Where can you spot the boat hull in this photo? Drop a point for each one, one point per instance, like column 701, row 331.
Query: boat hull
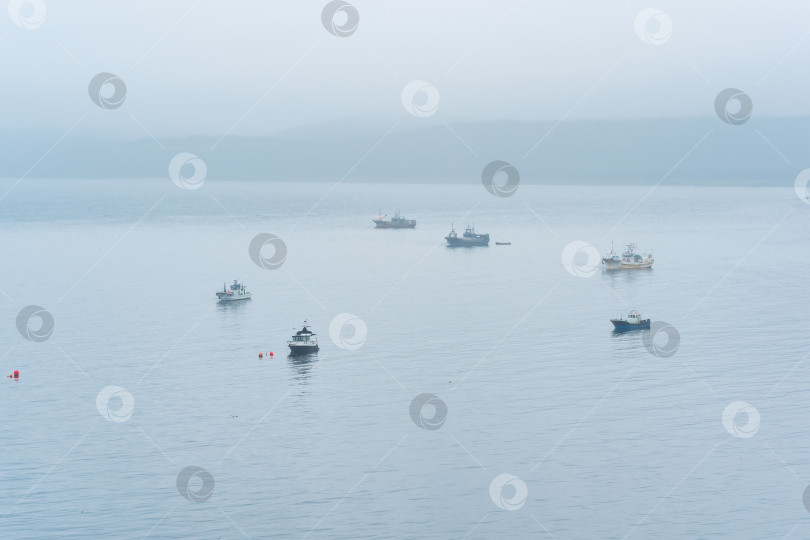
column 612, row 264
column 636, row 266
column 232, row 297
column 300, row 350
column 407, row 224
column 624, row 326
column 466, row 242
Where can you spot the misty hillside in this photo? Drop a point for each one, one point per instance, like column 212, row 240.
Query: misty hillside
column 764, row 151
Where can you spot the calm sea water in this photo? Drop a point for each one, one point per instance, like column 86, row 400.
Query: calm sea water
column 608, row 440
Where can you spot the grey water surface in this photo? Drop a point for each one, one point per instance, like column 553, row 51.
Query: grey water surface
column 608, row 439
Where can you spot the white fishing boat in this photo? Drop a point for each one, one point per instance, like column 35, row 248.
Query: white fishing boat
column 237, row 291
column 612, row 260
column 629, row 259
column 303, row 342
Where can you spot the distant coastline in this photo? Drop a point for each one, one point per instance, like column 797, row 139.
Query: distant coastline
column 691, row 151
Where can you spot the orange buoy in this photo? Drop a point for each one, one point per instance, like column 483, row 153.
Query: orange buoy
column 261, row 355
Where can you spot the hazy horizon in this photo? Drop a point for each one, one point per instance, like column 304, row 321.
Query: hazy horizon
column 197, row 68
column 586, row 93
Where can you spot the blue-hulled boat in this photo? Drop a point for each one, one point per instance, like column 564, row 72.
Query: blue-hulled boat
column 632, row 322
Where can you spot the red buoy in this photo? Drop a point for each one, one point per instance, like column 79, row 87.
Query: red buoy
column 16, row 373
column 271, row 353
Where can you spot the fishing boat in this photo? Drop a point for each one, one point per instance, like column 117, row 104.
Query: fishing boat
column 629, row 259
column 468, row 239
column 303, row 342
column 632, row 322
column 396, row 222
column 236, row 291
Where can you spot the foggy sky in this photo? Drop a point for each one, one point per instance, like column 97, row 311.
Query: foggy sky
column 259, row 67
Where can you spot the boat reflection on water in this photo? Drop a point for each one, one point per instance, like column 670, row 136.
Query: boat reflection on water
column 626, row 279
column 229, row 307
column 302, row 364
column 625, row 345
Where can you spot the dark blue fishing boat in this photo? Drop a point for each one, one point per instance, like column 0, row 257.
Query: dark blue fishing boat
column 468, row 239
column 632, row 322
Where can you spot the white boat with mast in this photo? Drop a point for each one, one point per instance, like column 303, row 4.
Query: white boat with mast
column 303, row 342
column 629, row 259
column 237, row 291
column 396, row 222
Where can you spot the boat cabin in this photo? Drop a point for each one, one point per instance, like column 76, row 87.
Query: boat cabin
column 303, row 336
